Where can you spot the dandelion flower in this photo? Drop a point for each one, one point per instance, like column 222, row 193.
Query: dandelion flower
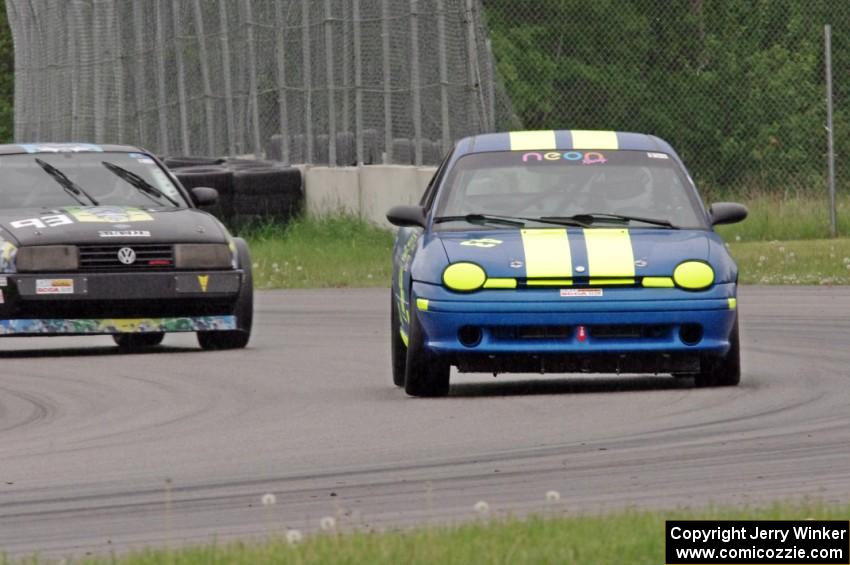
column 737, row 238
column 762, row 259
column 782, row 249
column 846, row 260
column 269, row 499
column 481, row 507
column 294, row 537
column 328, row 523
column 299, row 268
column 553, row 496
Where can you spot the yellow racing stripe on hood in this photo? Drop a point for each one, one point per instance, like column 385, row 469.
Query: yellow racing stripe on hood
column 584, row 139
column 609, row 254
column 547, row 254
column 530, row 140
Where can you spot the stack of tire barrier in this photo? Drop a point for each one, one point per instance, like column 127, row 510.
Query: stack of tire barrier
column 249, row 191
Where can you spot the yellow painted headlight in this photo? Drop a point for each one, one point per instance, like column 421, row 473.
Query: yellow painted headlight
column 464, row 277
column 693, row 275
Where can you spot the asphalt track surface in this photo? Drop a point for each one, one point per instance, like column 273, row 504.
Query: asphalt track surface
column 101, row 451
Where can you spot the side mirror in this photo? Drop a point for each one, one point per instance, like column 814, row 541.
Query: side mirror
column 204, row 196
column 727, row 213
column 407, row 216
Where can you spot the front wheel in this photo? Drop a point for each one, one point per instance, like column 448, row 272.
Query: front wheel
column 244, row 311
column 398, row 350
column 426, row 374
column 722, row 371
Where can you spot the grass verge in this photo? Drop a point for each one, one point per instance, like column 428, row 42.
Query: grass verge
column 774, row 217
column 321, row 253
column 816, row 261
column 631, row 537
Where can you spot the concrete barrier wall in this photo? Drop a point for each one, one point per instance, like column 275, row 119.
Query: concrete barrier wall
column 367, row 191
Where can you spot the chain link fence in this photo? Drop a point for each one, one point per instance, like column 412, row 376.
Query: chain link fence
column 303, row 81
column 737, row 87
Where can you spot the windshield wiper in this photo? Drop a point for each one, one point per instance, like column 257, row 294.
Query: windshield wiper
column 482, row 219
column 139, row 183
column 518, row 221
column 596, row 217
column 72, row 188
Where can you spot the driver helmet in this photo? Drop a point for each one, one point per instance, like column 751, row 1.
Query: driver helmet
column 626, row 188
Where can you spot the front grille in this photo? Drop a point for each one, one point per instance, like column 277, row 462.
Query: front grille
column 149, row 257
column 511, row 333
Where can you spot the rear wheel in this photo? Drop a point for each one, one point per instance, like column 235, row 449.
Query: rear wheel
column 722, row 371
column 426, row 374
column 132, row 342
column 398, row 350
column 238, row 338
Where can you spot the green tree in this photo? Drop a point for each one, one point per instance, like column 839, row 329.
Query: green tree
column 7, row 78
column 736, row 86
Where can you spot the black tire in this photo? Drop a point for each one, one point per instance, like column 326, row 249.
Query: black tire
column 425, row 374
column 244, row 311
column 398, row 350
column 181, row 162
column 722, row 371
column 273, row 192
column 135, row 342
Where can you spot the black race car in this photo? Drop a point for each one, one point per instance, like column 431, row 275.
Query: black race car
column 103, row 239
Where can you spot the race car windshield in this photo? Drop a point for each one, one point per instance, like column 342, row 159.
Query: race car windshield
column 51, row 180
column 602, row 188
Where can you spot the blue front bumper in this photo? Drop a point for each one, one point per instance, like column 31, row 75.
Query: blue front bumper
column 517, row 328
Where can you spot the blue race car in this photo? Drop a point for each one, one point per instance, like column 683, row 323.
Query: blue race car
column 563, row 251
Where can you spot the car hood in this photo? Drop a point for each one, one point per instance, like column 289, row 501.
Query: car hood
column 108, row 225
column 610, row 252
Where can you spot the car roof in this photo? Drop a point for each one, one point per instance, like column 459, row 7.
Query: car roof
column 24, row 148
column 553, row 140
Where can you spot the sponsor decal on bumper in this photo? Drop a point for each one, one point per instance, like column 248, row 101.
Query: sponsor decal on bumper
column 54, row 286
column 116, row 325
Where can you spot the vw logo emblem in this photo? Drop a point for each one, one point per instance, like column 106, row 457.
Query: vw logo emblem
column 127, row 256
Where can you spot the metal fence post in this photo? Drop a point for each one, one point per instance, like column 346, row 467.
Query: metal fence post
column 226, row 72
column 283, row 112
column 162, row 98
column 358, row 80
column 209, row 115
column 138, row 79
column 414, row 82
column 491, row 85
column 833, row 220
column 388, row 101
column 444, row 76
column 252, row 81
column 346, row 69
column 181, row 81
column 329, row 74
column 308, row 86
column 471, row 63
column 118, row 70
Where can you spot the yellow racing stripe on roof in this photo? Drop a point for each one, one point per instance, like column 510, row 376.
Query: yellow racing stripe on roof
column 529, row 140
column 547, row 254
column 609, row 253
column 587, row 139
